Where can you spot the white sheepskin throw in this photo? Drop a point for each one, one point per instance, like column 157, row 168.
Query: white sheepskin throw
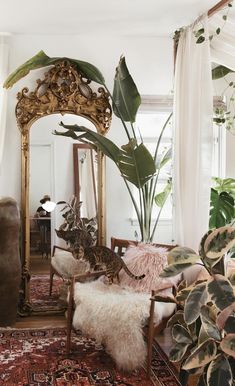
column 67, row 266
column 114, row 317
column 149, row 260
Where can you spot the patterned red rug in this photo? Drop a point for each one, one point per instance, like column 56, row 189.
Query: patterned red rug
column 37, row 357
column 39, row 292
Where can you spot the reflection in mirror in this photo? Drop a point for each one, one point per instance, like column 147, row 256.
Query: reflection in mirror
column 85, row 179
column 53, row 176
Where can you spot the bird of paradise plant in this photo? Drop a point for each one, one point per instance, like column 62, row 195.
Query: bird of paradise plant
column 136, row 164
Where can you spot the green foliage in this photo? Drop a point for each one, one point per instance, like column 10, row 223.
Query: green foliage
column 222, row 210
column 203, row 328
column 220, row 72
column 224, row 185
column 126, row 98
column 75, row 227
column 41, row 60
column 136, row 165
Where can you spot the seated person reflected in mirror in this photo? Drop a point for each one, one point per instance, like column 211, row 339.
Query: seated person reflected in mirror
column 44, row 225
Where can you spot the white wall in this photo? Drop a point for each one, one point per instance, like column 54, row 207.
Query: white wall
column 150, row 63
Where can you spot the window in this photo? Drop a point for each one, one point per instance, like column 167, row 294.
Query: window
column 153, row 113
column 151, row 117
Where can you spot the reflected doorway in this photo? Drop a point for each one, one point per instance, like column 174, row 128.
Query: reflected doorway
column 41, row 221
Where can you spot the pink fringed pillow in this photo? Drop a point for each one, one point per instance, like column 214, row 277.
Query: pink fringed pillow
column 149, row 260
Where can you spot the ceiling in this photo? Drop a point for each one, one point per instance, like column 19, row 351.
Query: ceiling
column 113, row 17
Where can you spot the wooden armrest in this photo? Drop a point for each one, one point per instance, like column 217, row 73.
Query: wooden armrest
column 94, row 274
column 61, row 248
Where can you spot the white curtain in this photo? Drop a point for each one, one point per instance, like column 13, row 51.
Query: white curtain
column 193, row 109
column 223, row 45
column 4, row 52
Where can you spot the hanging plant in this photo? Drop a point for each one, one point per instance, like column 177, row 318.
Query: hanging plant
column 200, row 33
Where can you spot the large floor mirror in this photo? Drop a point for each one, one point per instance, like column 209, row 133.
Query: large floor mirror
column 54, row 169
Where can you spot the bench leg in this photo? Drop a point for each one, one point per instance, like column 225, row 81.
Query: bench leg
column 51, row 279
column 150, row 338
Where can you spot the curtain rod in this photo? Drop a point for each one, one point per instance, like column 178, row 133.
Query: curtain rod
column 217, row 7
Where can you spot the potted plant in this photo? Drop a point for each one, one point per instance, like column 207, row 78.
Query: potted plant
column 203, row 328
column 75, row 227
column 137, row 166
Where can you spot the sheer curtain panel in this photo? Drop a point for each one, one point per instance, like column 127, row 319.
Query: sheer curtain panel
column 193, row 110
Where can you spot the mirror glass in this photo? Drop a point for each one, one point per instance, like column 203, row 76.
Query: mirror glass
column 59, row 168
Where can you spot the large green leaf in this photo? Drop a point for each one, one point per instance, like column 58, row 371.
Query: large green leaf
column 221, row 209
column 181, row 335
column 220, row 71
column 201, row 355
column 225, row 185
column 221, row 292
column 161, row 198
column 219, row 372
column 209, row 323
column 102, row 143
column 42, row 60
column 136, row 163
column 228, row 345
column 126, row 98
column 167, row 156
column 195, row 300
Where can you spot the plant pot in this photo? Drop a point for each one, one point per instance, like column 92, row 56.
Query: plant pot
column 10, row 266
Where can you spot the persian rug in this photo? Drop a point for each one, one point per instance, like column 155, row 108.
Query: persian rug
column 39, row 292
column 38, row 357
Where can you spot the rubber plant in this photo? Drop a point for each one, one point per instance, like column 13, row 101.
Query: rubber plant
column 134, row 161
column 203, row 327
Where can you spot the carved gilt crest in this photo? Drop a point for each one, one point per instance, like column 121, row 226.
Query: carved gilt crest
column 65, row 91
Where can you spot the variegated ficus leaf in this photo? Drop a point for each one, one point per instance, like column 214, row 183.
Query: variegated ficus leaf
column 208, row 319
column 181, row 335
column 229, row 326
column 221, row 292
column 228, row 345
column 223, row 316
column 177, row 352
column 178, row 317
column 203, row 336
column 202, row 244
column 202, row 355
column 180, row 255
column 219, row 242
column 195, row 300
column 219, row 372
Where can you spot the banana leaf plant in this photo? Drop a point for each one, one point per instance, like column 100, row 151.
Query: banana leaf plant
column 137, row 166
column 203, row 327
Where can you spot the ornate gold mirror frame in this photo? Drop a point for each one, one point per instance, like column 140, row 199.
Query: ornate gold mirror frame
column 62, row 91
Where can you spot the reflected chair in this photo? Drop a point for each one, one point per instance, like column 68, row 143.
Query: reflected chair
column 53, row 270
column 119, row 246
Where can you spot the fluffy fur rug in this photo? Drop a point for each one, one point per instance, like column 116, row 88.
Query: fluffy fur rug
column 114, row 317
column 150, row 260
